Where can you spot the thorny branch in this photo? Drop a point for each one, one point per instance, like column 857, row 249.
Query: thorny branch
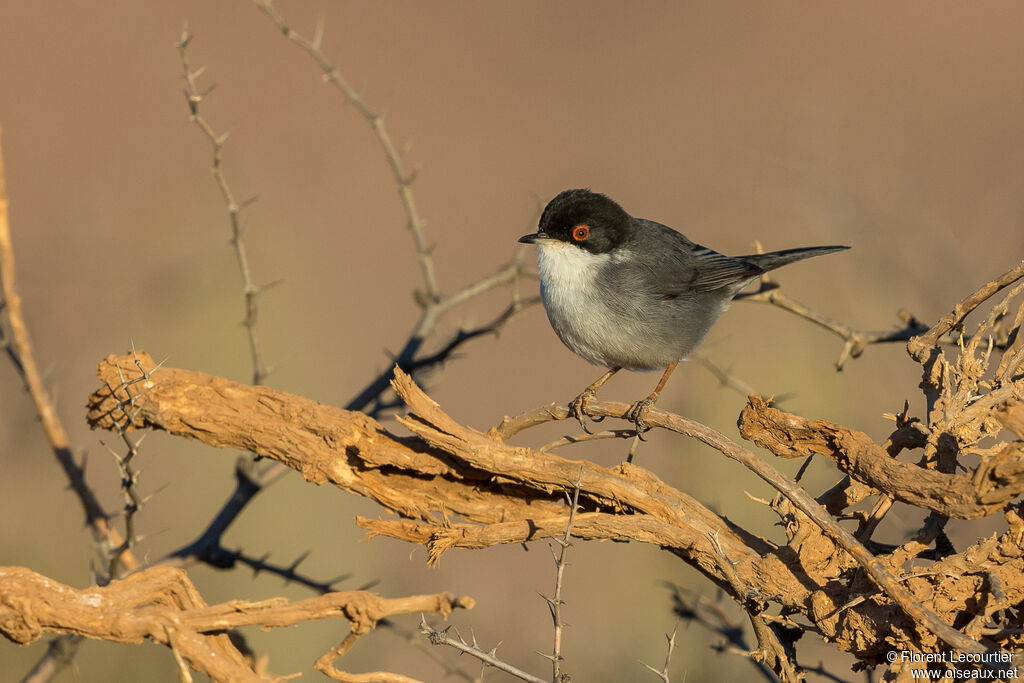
column 251, row 477
column 195, row 96
column 403, row 179
column 663, row 673
column 133, row 500
column 487, row 657
column 19, row 349
column 854, row 340
column 555, row 602
column 433, row 303
column 113, row 549
column 911, row 330
column 714, row 618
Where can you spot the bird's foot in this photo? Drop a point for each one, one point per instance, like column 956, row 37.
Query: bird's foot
column 578, row 409
column 638, row 411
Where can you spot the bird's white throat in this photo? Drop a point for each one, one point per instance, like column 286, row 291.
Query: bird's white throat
column 565, row 268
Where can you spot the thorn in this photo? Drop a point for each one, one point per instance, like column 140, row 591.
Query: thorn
column 150, row 497
column 269, row 286
column 368, row 586
column 338, row 579
column 756, row 499
column 318, row 34
column 299, row 560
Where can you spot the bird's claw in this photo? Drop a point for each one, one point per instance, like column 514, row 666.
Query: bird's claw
column 636, row 414
column 578, row 409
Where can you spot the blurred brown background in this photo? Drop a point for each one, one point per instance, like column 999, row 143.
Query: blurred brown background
column 894, row 128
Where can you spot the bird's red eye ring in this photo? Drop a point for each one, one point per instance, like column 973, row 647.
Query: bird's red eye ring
column 581, row 232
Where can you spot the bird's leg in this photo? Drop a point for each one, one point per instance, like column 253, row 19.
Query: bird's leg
column 637, row 410
column 578, row 406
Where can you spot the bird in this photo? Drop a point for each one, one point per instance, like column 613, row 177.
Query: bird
column 629, row 293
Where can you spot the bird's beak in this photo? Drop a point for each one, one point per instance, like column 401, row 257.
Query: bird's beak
column 536, row 238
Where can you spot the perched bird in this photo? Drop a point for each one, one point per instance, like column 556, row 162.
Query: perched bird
column 630, row 293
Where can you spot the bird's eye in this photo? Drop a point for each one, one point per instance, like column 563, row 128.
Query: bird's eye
column 581, row 232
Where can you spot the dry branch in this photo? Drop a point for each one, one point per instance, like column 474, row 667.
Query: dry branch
column 920, row 347
column 104, row 534
column 161, row 604
column 971, row 495
column 511, row 494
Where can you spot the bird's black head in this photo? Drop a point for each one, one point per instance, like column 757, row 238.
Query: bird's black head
column 586, row 219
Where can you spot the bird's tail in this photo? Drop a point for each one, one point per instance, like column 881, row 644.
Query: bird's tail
column 776, row 259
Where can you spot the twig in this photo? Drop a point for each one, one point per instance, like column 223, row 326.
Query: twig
column 920, row 346
column 207, row 547
column 413, row 638
column 489, row 658
column 770, row 648
column 855, row 341
column 60, row 653
column 290, row 572
column 663, row 674
column 133, row 500
column 555, row 602
column 584, row 437
column 726, row 378
column 20, row 350
column 735, row 639
column 403, row 179
column 409, row 360
column 251, row 292
column 436, row 359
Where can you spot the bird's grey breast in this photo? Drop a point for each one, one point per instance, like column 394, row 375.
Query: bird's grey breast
column 573, row 296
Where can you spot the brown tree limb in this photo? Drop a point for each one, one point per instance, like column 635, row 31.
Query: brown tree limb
column 161, row 604
column 970, row 495
column 354, row 452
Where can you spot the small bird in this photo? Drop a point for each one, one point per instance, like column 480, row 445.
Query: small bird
column 626, row 292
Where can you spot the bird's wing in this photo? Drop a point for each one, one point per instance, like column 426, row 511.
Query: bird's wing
column 681, row 266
